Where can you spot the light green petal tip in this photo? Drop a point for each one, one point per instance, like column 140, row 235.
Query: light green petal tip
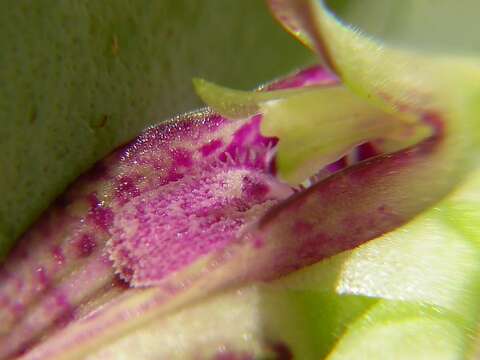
column 233, row 104
column 315, row 125
column 237, row 104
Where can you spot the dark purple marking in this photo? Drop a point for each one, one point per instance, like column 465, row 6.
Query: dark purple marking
column 127, row 271
column 173, row 175
column 254, row 188
column 211, row 147
column 65, row 318
column 257, row 241
column 181, row 158
column 66, row 312
column 366, row 151
column 249, row 147
column 281, row 351
column 86, row 245
column 24, row 349
column 120, row 283
column 126, row 189
column 311, row 246
column 61, row 301
column 99, row 215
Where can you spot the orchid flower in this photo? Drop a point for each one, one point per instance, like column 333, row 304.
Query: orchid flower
column 331, row 213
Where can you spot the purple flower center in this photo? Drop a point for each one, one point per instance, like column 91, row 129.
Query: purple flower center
column 168, row 228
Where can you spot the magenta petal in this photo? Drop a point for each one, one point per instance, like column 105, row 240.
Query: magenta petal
column 169, row 227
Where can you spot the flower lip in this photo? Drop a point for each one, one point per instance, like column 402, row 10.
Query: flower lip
column 217, row 194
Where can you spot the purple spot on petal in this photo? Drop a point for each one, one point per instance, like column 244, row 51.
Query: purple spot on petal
column 66, row 317
column 119, row 283
column 126, row 189
column 312, row 246
column 282, row 351
column 86, row 245
column 172, row 176
column 249, row 147
column 257, row 241
column 61, row 301
column 181, row 158
column 100, row 215
column 211, row 147
column 254, row 188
